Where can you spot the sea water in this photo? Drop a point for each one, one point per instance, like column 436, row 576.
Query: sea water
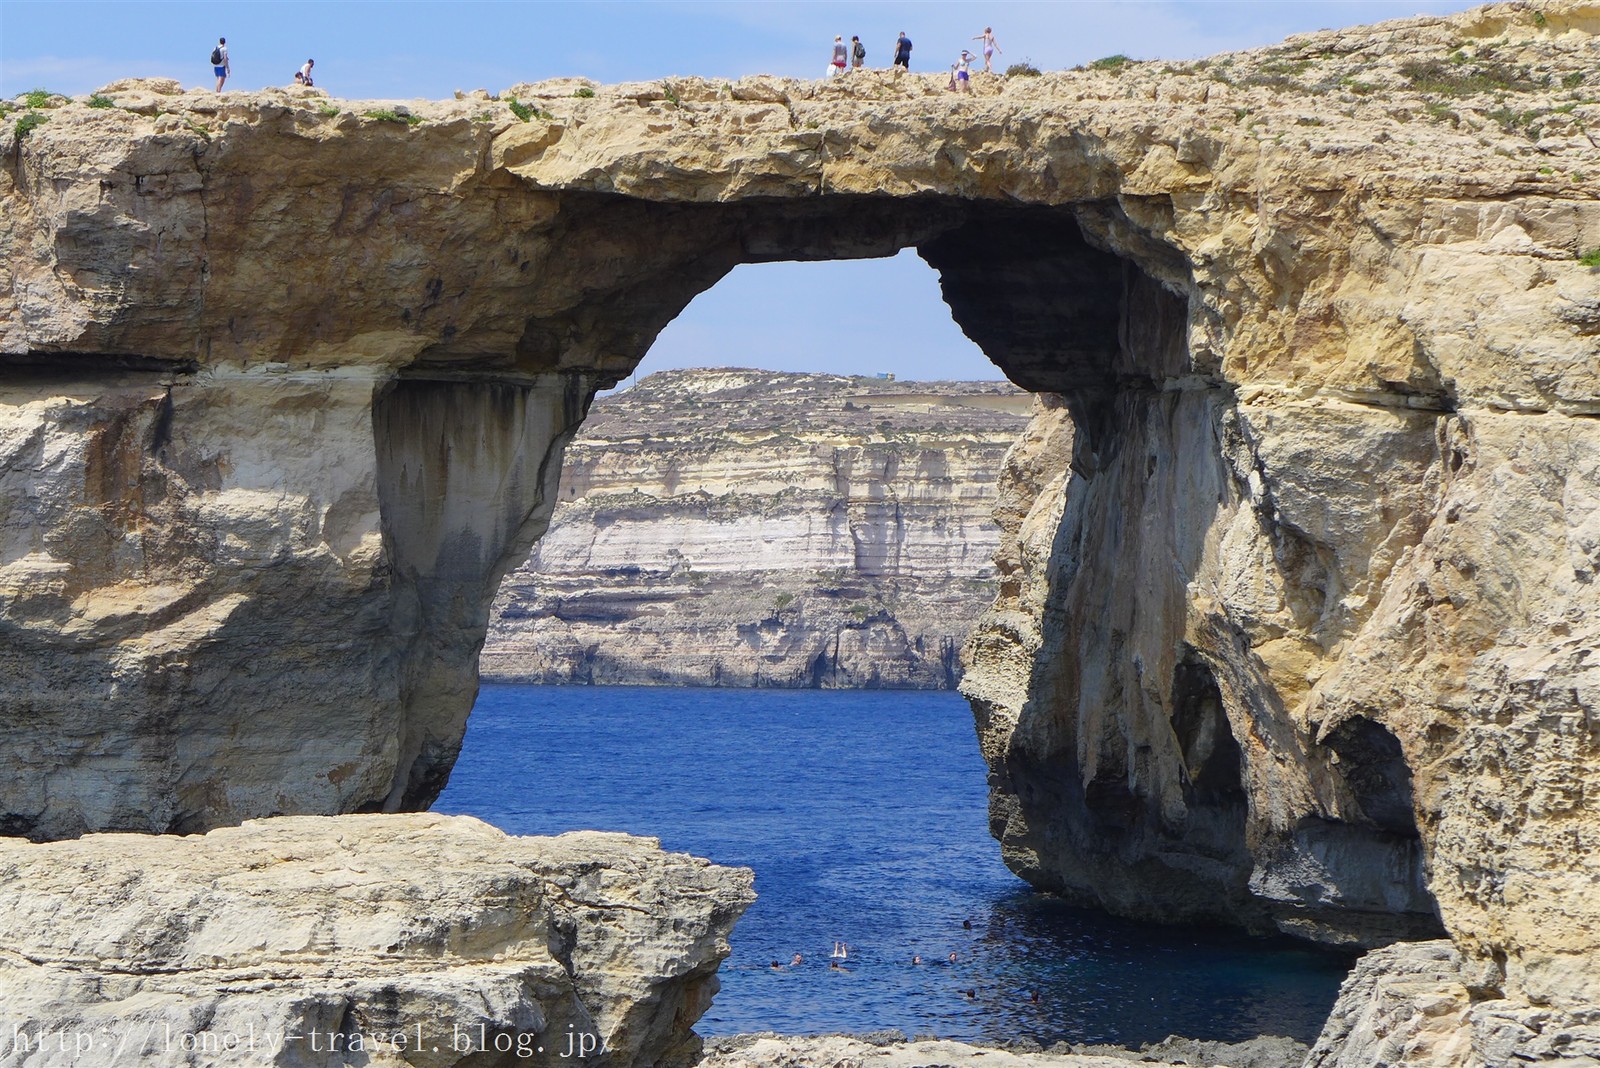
column 864, row 817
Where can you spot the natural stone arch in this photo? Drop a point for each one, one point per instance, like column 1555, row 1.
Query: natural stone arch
column 1384, row 540
column 466, row 446
column 468, row 426
column 1023, row 281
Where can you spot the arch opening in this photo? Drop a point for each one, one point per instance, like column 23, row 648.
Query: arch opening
column 745, row 526
column 1086, row 323
column 1124, row 786
column 1373, row 766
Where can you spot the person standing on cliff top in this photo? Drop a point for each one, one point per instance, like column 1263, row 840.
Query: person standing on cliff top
column 990, row 47
column 858, row 53
column 961, row 78
column 840, row 57
column 902, row 51
column 219, row 62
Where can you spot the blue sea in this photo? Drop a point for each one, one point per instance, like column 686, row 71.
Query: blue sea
column 864, row 817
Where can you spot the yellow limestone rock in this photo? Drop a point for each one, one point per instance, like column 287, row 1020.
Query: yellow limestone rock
column 1310, row 647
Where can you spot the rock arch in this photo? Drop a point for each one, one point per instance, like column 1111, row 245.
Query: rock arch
column 465, row 457
column 283, row 400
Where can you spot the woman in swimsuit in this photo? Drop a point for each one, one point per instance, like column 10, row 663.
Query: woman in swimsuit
column 989, row 46
column 960, row 81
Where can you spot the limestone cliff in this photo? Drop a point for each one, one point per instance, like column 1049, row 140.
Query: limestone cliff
column 749, row 528
column 420, row 940
column 1315, row 637
column 1351, row 872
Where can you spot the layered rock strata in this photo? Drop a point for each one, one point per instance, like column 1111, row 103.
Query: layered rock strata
column 750, row 528
column 417, row 940
column 1315, row 638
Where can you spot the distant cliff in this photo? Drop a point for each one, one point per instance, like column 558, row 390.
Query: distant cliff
column 750, row 528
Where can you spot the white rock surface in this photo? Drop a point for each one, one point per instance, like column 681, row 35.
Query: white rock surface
column 1420, row 1005
column 892, row 1050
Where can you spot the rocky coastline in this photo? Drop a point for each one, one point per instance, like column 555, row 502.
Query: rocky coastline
column 745, row 528
column 1296, row 632
column 892, row 1049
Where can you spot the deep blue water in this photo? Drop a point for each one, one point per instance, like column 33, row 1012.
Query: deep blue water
column 864, row 817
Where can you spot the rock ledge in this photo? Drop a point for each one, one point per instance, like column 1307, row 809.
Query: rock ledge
column 423, row 940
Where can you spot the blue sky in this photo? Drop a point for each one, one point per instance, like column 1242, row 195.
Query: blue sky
column 878, row 315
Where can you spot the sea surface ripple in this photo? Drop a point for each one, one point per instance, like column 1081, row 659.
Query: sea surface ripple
column 864, row 816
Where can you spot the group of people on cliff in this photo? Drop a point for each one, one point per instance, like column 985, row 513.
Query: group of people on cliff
column 845, row 58
column 222, row 67
column 854, row 56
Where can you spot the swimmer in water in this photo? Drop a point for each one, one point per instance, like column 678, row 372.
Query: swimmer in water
column 952, row 958
column 798, row 959
column 966, row 925
column 916, row 958
column 837, row 967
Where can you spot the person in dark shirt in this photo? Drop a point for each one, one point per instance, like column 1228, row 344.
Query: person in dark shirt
column 902, row 51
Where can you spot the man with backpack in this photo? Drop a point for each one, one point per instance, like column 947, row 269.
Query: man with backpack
column 219, row 61
column 902, row 51
column 858, row 53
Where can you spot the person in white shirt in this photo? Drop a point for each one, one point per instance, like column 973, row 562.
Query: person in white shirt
column 963, row 72
column 219, row 62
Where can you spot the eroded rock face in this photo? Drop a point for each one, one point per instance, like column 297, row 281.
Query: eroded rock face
column 892, row 1050
column 1420, row 1005
column 417, row 940
column 1107, row 694
column 750, row 528
column 245, row 592
column 1326, row 552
